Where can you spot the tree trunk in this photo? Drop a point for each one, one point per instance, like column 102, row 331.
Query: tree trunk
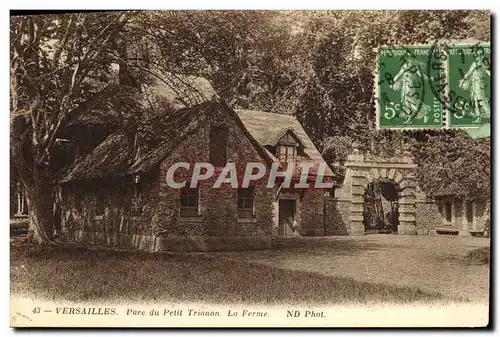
column 37, row 180
column 40, row 204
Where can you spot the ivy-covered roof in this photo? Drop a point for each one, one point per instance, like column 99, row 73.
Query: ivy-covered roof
column 110, row 159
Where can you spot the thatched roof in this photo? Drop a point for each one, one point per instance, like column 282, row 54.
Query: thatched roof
column 181, row 91
column 177, row 128
column 110, row 159
column 173, row 90
column 268, row 128
column 115, row 156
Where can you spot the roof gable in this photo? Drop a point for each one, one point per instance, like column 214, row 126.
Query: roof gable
column 290, row 137
column 268, row 128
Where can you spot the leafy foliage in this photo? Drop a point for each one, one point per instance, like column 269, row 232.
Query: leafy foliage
column 452, row 163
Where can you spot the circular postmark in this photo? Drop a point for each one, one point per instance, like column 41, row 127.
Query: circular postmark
column 461, row 86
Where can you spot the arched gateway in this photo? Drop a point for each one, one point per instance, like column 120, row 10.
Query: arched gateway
column 362, row 171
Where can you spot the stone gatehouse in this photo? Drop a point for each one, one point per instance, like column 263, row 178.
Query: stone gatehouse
column 417, row 212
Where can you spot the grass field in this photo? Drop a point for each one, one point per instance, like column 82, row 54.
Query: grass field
column 79, row 274
column 310, row 272
column 454, row 266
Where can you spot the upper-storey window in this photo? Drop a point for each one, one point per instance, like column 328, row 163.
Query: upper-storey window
column 218, row 145
column 287, row 148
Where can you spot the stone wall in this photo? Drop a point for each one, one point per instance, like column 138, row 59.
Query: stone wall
column 427, row 217
column 218, row 213
column 336, row 216
column 311, row 213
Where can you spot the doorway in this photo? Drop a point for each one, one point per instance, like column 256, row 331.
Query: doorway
column 381, row 207
column 286, row 217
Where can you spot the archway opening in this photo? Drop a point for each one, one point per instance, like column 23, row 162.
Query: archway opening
column 380, row 207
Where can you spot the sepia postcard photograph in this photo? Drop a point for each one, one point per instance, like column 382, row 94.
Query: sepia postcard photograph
column 250, row 168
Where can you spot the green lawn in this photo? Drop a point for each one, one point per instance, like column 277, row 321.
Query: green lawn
column 80, row 274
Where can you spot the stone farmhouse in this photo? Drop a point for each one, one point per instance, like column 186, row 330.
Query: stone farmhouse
column 116, row 195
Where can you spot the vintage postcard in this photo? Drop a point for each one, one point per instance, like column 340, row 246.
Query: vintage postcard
column 250, row 169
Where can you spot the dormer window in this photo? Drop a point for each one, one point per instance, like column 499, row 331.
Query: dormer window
column 287, row 153
column 287, row 148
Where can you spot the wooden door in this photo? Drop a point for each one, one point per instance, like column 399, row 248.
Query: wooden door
column 286, row 217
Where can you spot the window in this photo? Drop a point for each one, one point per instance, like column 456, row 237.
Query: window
column 100, row 201
column 245, row 202
column 287, row 153
column 218, row 146
column 287, row 148
column 189, row 201
column 447, row 210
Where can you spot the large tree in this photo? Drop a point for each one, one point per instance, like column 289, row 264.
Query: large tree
column 61, row 66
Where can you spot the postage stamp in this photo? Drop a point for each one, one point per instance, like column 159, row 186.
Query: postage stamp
column 404, row 85
column 469, row 94
column 183, row 169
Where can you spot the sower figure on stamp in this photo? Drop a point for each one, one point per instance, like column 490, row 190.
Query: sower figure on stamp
column 410, row 81
column 475, row 82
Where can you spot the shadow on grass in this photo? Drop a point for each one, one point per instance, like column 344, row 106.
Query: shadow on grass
column 478, row 256
column 324, row 245
column 80, row 274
